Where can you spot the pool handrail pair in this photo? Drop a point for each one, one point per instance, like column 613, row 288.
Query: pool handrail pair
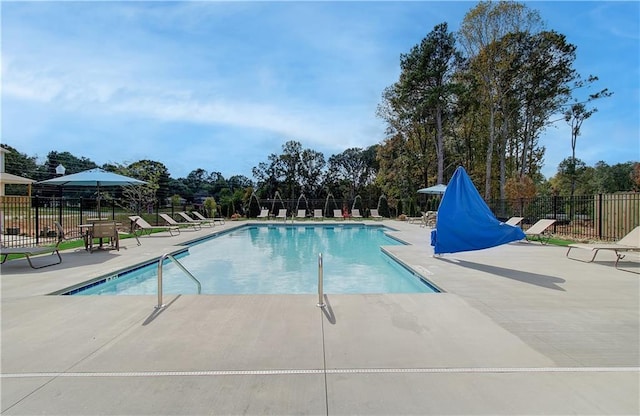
column 169, row 256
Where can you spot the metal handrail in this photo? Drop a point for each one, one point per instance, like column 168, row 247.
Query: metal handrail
column 160, row 305
column 321, row 303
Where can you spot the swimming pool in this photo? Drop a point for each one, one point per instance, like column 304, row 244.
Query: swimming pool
column 277, row 259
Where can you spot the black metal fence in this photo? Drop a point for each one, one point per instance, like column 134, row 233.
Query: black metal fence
column 27, row 221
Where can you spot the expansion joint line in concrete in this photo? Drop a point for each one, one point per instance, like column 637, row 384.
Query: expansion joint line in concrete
column 461, row 370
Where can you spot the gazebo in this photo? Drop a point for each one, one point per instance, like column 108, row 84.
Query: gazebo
column 7, row 178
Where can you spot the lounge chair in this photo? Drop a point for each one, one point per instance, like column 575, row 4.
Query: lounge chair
column 187, row 218
column 214, row 219
column 429, row 219
column 317, row 214
column 141, row 227
column 419, row 219
column 196, row 225
column 282, row 214
column 302, row 214
column 514, row 221
column 337, row 214
column 539, row 231
column 34, row 251
column 630, row 242
column 355, row 213
column 375, row 215
column 264, row 213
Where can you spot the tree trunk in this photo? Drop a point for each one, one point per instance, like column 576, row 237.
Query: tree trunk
column 439, row 145
column 487, row 181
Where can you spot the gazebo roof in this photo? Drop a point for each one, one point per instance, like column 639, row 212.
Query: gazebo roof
column 7, row 178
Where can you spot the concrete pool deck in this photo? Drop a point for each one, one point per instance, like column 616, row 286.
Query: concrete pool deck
column 520, row 329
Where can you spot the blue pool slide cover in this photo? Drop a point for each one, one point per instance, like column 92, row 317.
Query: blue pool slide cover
column 465, row 222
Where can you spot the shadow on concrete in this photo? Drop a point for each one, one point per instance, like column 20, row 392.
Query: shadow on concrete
column 157, row 311
column 549, row 282
column 328, row 311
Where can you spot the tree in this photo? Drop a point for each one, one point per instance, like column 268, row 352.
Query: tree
column 294, row 170
column 483, row 26
column 20, row 164
column 71, row 163
column 155, row 174
column 311, row 168
column 354, row 167
column 578, row 112
column 426, row 85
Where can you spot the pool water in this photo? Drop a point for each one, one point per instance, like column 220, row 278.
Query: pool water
column 278, row 259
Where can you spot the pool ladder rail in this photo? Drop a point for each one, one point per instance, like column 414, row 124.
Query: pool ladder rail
column 169, row 256
column 321, row 303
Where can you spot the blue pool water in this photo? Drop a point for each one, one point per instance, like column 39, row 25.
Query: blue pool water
column 278, row 259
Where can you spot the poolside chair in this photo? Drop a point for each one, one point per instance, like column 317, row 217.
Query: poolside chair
column 337, row 214
column 419, row 219
column 34, row 251
column 317, row 214
column 187, row 218
column 214, row 219
column 355, row 213
column 375, row 215
column 302, row 214
column 282, row 214
column 514, row 221
column 539, row 231
column 264, row 213
column 141, row 227
column 429, row 219
column 101, row 230
column 196, row 225
column 628, row 243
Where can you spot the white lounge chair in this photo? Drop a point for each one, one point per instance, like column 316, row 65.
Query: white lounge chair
column 539, row 231
column 630, row 242
column 187, row 218
column 375, row 215
column 317, row 214
column 355, row 213
column 264, row 213
column 514, row 221
column 429, row 219
column 196, row 225
column 141, row 227
column 214, row 219
column 282, row 214
column 302, row 214
column 337, row 214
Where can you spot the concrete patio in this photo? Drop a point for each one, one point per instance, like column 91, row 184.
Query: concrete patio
column 520, row 329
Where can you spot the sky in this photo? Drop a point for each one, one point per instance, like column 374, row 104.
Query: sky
column 221, row 85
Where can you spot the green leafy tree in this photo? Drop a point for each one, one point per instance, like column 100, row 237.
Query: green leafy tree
column 483, row 26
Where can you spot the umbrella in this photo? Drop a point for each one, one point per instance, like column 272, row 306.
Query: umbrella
column 435, row 189
column 93, row 177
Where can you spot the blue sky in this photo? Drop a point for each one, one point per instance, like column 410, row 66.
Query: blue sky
column 221, row 85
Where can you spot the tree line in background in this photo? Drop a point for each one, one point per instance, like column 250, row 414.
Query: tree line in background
column 479, row 98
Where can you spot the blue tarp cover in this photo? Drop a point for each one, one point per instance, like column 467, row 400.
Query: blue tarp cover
column 465, row 222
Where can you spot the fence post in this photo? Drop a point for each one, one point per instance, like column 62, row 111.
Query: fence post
column 600, row 216
column 60, row 207
column 37, row 203
column 80, row 212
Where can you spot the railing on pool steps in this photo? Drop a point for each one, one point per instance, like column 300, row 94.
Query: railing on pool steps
column 160, row 305
column 320, row 282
